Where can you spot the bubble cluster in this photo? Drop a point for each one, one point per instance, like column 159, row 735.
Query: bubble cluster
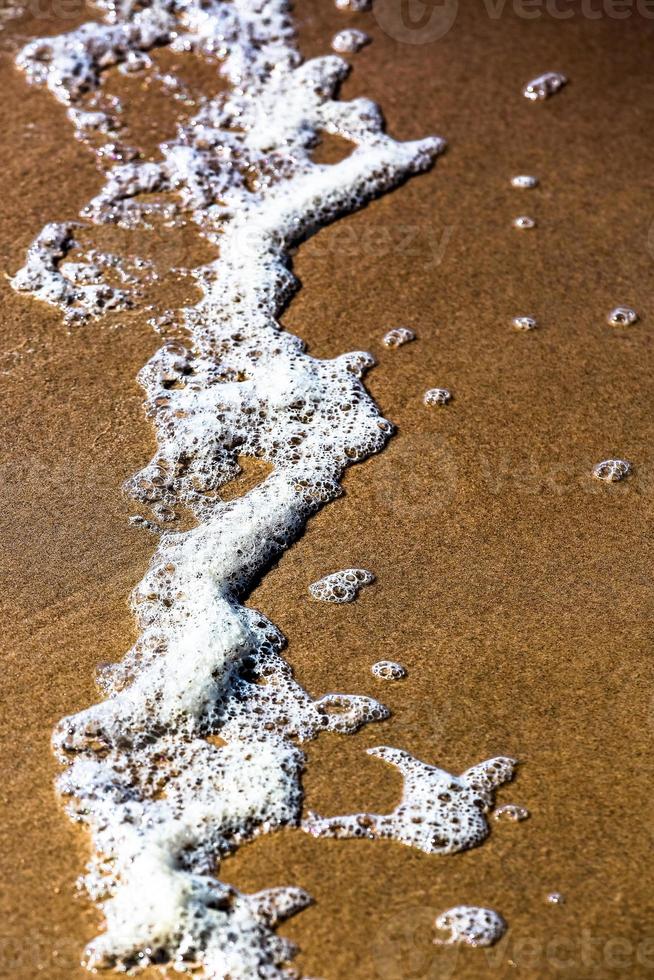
column 437, row 396
column 544, row 86
column 524, row 222
column 470, row 926
column 439, row 813
column 388, row 670
column 524, row 323
column 343, row 586
column 525, row 181
column 350, row 40
column 74, row 287
column 612, row 470
column 622, row 316
column 398, row 336
column 512, row 812
column 195, row 748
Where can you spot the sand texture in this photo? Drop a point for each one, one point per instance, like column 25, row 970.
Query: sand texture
column 516, row 591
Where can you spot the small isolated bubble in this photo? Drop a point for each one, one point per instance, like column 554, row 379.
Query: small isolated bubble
column 622, row 316
column 544, row 86
column 523, row 221
column 437, row 396
column 512, row 812
column 555, row 898
column 355, row 6
column 398, row 336
column 524, row 323
column 388, row 670
column 612, row 470
column 349, row 41
column 470, row 926
column 524, row 180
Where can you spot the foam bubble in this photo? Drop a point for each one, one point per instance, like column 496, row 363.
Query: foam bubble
column 612, row 470
column 544, row 86
column 388, row 670
column 524, row 222
column 437, row 396
column 470, row 926
column 512, row 812
column 343, row 586
column 525, row 181
column 398, row 336
column 524, row 323
column 438, row 814
column 555, row 898
column 622, row 316
column 349, row 41
column 355, row 6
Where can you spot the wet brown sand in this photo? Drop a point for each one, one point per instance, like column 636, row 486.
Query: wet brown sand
column 516, row 591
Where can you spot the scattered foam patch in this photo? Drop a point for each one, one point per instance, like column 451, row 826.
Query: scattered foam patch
column 622, row 316
column 439, row 813
column 398, row 337
column 511, row 812
column 343, row 586
column 355, row 6
column 524, row 323
column 544, row 86
column 349, row 41
column 470, row 926
column 524, row 222
column 525, row 181
column 612, row 470
column 437, row 396
column 388, row 670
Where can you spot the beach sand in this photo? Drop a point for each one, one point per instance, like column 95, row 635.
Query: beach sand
column 516, row 590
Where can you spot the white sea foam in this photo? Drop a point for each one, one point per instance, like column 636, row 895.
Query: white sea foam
column 470, row 926
column 398, row 337
column 524, row 323
column 524, row 181
column 612, row 470
column 349, row 40
column 512, row 812
column 555, row 898
column 622, row 316
column 356, row 6
column 438, row 814
column 437, row 396
column 544, row 86
column 388, row 670
column 195, row 748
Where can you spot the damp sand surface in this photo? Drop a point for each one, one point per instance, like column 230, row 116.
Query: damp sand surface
column 515, row 590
